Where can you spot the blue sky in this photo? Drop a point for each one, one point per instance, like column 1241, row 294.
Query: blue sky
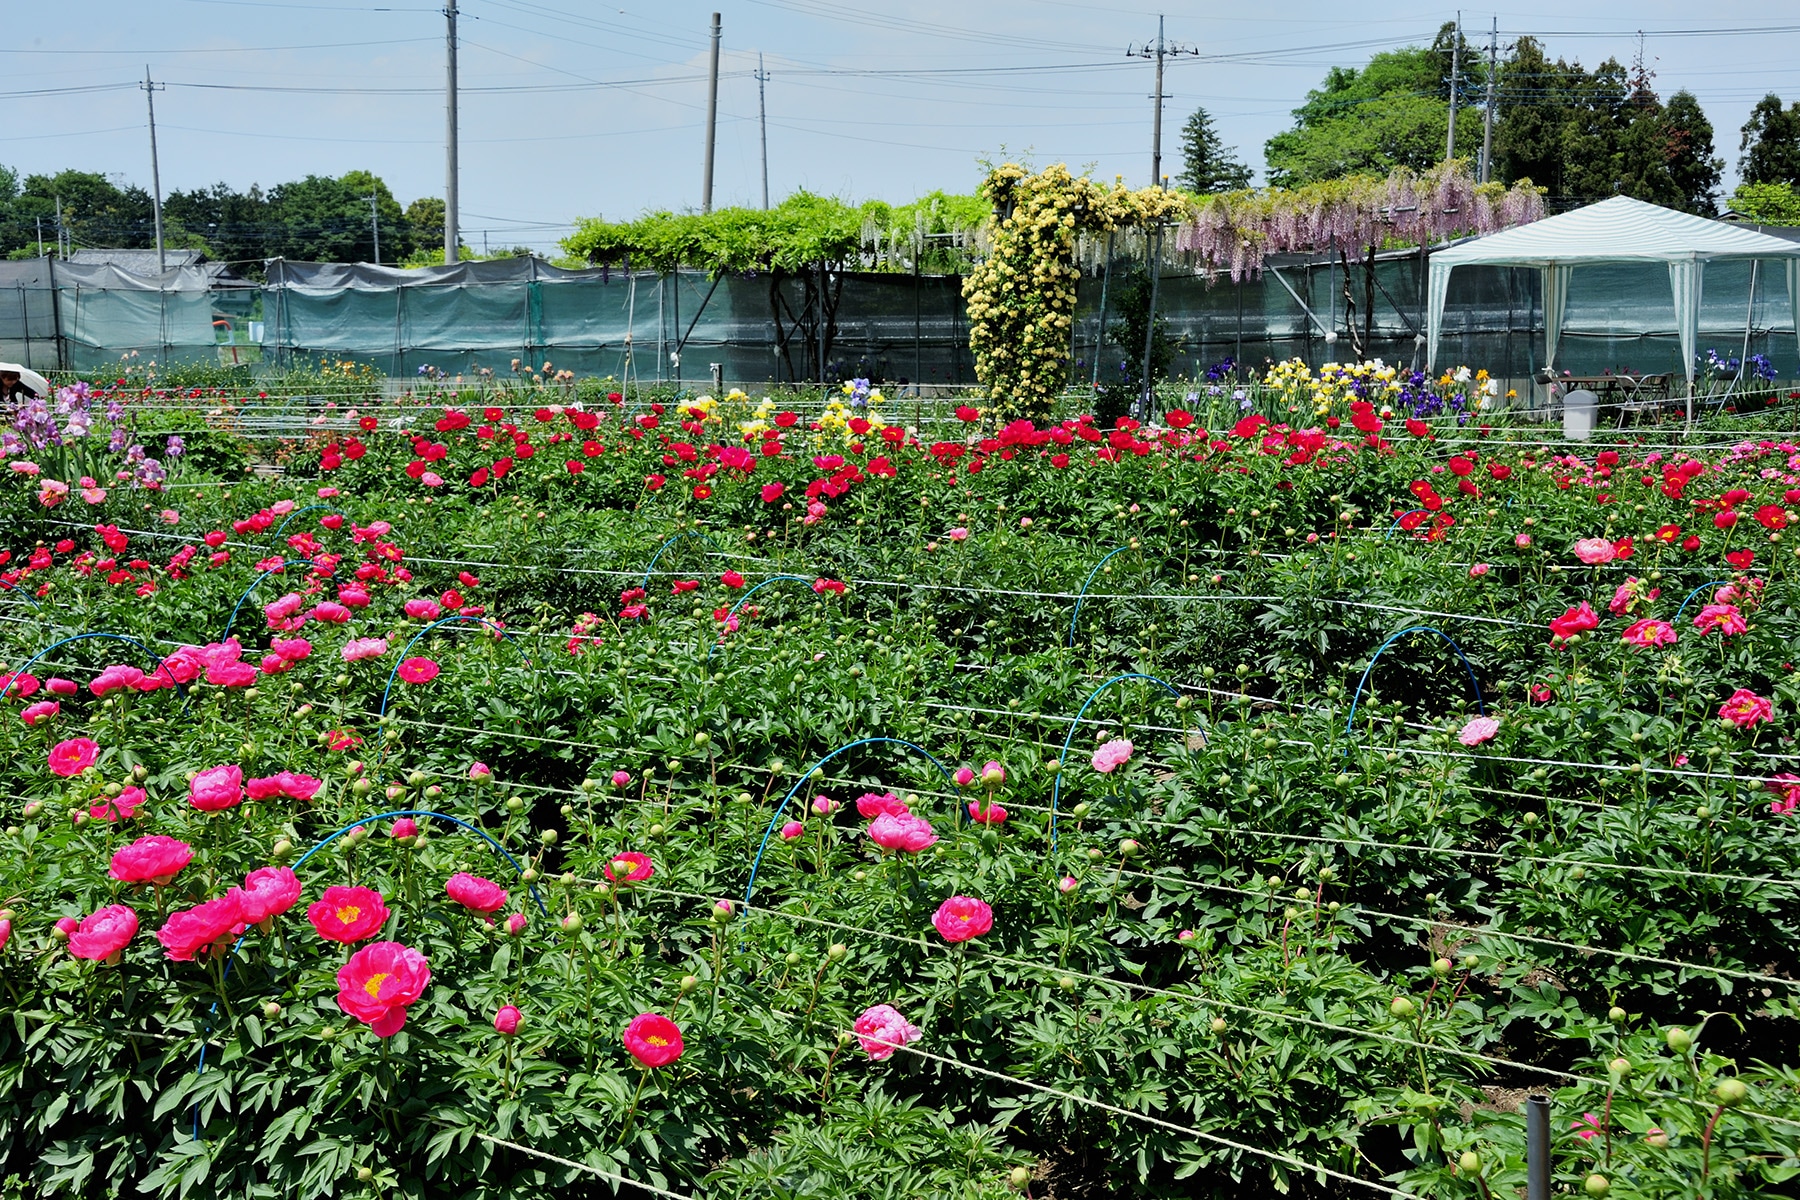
column 573, row 108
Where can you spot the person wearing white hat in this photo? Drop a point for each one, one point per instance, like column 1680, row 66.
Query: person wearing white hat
column 20, row 383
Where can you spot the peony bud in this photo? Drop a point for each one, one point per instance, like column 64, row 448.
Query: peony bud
column 506, row 1021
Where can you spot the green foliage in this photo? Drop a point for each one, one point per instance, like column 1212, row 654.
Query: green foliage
column 1395, row 130
column 802, row 231
column 1770, row 142
column 1768, row 203
column 1208, row 165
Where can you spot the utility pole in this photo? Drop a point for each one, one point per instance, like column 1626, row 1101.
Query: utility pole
column 1455, row 86
column 712, row 118
column 61, row 250
column 375, row 226
column 155, row 170
column 1487, row 121
column 762, row 119
column 451, row 232
column 1159, row 51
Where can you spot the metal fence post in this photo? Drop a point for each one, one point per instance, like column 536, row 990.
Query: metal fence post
column 1537, row 1148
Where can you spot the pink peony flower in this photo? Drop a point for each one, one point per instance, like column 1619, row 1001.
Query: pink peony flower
column 153, row 859
column 870, row 805
column 329, row 611
column 964, row 776
column 1745, row 709
column 43, row 710
column 791, row 830
column 506, row 1021
column 379, row 982
column 287, row 783
column 1594, row 551
column 620, row 778
column 1479, row 569
column 825, row 805
column 73, row 756
column 403, row 827
column 961, row 918
column 267, row 893
column 901, row 832
column 987, row 814
column 357, row 649
column 881, row 1030
column 101, row 936
column 217, row 788
column 480, row 772
column 1479, row 730
column 291, row 649
column 655, row 1041
column 1649, row 633
column 1522, row 540
column 1725, row 618
column 475, row 893
column 121, row 807
column 418, row 670
column 424, row 610
column 1112, row 755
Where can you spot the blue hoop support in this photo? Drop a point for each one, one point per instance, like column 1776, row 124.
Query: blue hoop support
column 257, row 582
column 805, row 775
column 330, row 838
column 22, row 594
column 741, row 599
column 1356, row 696
column 117, row 637
column 1056, row 785
column 1696, row 592
column 1409, row 512
column 395, row 670
column 298, row 511
column 1079, row 596
column 645, row 582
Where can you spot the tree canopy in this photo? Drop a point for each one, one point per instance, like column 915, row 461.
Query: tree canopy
column 1208, row 165
column 1770, row 143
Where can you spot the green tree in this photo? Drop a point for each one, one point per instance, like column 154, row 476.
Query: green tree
column 425, row 221
column 1208, row 165
column 1394, row 112
column 1770, row 143
column 1767, row 203
column 1688, row 145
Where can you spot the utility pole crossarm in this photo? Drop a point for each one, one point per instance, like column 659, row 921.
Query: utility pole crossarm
column 1159, row 50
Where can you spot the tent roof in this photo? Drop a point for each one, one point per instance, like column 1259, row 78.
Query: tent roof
column 1619, row 229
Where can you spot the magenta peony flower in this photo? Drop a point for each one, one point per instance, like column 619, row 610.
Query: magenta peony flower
column 1649, row 633
column 191, row 931
column 72, row 757
column 655, row 1041
column 506, row 1021
column 1745, row 709
column 379, row 982
column 792, row 830
column 348, row 914
column 101, row 936
column 628, row 867
column 902, row 832
column 987, row 814
column 881, row 1030
column 268, row 892
column 961, row 918
column 475, row 893
column 43, row 710
column 217, row 788
column 418, row 670
column 872, row 804
column 153, row 859
column 1724, row 618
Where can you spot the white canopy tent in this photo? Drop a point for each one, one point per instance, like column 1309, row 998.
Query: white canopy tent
column 1613, row 231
